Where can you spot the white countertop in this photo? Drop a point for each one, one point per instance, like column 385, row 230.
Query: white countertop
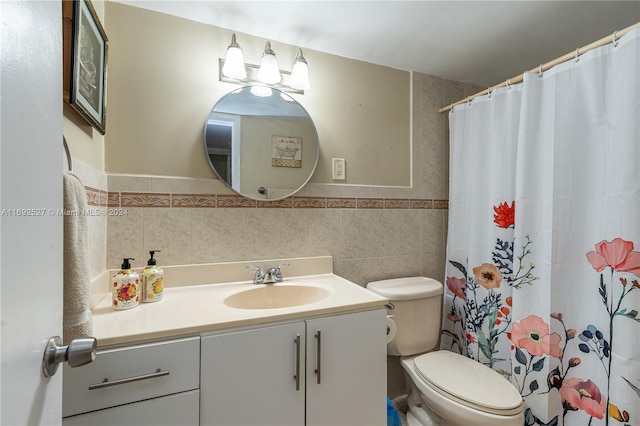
column 200, row 308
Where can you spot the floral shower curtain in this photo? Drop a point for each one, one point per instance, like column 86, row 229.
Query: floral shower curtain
column 543, row 253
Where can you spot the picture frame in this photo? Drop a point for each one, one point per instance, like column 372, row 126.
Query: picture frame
column 85, row 56
column 286, row 151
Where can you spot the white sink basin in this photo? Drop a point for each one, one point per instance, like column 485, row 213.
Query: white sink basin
column 276, row 296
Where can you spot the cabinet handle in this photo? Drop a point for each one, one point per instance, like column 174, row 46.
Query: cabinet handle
column 106, row 383
column 318, row 354
column 297, row 376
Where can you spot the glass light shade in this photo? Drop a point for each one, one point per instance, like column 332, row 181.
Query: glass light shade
column 234, row 64
column 269, row 71
column 299, row 76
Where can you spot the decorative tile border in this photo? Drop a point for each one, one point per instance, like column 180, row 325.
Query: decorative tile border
column 193, row 200
column 369, row 203
column 152, row 199
column 144, row 199
column 235, row 201
column 341, row 203
column 113, row 199
column 96, row 197
column 310, row 202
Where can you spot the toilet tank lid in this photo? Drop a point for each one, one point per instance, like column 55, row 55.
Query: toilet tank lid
column 406, row 288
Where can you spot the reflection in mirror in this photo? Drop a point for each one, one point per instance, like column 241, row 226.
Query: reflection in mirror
column 261, row 143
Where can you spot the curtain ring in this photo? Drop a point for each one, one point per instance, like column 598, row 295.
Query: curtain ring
column 540, row 71
column 490, row 91
column 468, row 100
column 613, row 39
column 577, row 58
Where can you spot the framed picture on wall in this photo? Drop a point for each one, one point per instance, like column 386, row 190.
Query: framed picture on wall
column 286, row 151
column 87, row 66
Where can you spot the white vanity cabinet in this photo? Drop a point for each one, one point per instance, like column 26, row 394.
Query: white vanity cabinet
column 147, row 384
column 322, row 371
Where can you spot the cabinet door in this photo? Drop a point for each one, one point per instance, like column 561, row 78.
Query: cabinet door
column 178, row 409
column 347, row 369
column 247, row 377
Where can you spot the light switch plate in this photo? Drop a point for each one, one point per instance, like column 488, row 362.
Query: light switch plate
column 339, row 167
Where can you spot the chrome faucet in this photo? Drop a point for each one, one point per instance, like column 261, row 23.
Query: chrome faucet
column 271, row 275
column 259, row 276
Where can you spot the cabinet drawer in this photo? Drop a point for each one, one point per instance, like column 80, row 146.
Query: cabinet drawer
column 179, row 409
column 134, row 372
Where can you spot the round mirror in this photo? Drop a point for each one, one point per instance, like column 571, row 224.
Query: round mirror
column 261, row 143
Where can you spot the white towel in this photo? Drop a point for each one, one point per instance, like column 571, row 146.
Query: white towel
column 77, row 321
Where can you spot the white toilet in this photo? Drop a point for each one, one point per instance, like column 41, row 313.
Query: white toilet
column 445, row 388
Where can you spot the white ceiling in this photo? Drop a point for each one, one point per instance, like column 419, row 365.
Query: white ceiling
column 480, row 42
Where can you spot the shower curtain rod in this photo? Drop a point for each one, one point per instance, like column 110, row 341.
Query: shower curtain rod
column 543, row 67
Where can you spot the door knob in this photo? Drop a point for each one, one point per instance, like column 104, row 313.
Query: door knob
column 79, row 352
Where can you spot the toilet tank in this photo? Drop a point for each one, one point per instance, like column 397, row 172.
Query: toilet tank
column 416, row 309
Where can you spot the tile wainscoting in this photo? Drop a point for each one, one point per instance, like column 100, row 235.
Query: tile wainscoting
column 369, row 238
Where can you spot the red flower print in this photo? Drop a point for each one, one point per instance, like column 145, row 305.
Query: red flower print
column 618, row 254
column 533, row 335
column 470, row 338
column 505, row 215
column 487, row 275
column 127, row 292
column 457, row 286
column 580, row 395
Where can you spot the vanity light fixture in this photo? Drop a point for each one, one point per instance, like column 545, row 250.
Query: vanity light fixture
column 234, row 62
column 233, row 69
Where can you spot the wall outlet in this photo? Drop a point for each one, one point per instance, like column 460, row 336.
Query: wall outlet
column 339, row 167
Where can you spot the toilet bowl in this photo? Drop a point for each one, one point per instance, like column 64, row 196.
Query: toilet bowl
column 444, row 388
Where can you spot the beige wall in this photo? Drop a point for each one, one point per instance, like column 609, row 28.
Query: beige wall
column 85, row 143
column 163, row 81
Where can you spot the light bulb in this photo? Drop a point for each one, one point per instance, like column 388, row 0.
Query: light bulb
column 300, row 73
column 234, row 62
column 269, row 71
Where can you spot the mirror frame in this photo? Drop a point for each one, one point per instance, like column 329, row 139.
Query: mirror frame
column 222, row 179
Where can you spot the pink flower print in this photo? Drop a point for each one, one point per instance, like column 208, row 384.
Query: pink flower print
column 457, row 286
column 618, row 254
column 580, row 395
column 453, row 318
column 533, row 335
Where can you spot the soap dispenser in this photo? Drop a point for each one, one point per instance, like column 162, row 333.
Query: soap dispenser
column 152, row 280
column 126, row 287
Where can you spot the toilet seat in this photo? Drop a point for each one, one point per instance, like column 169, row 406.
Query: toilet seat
column 467, row 381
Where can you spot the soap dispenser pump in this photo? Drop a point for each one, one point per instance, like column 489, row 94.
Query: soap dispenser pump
column 125, row 287
column 152, row 280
